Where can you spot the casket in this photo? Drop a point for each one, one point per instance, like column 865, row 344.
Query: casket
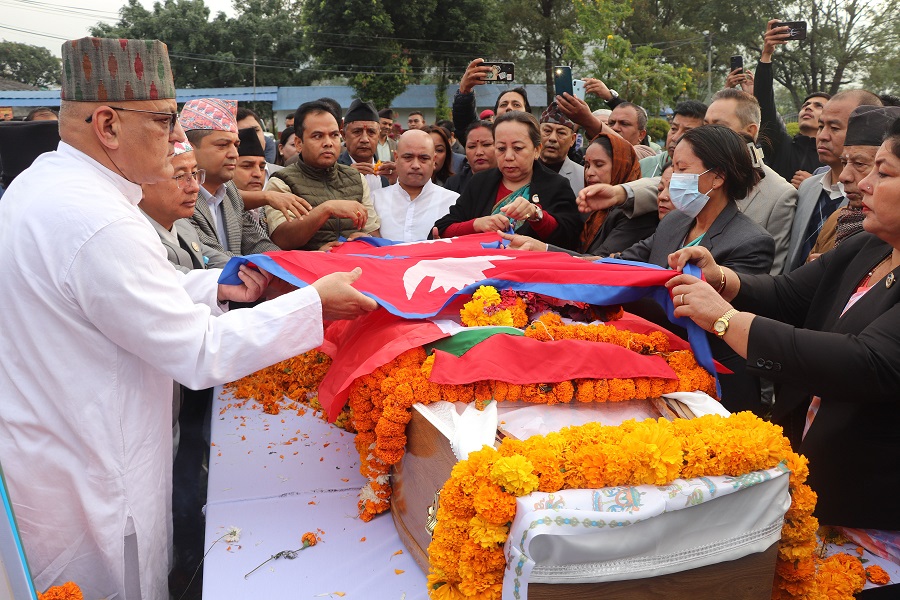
column 425, row 467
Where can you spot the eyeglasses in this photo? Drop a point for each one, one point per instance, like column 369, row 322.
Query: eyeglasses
column 185, row 178
column 173, row 117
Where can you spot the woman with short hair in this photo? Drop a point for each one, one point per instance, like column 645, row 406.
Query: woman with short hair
column 828, row 335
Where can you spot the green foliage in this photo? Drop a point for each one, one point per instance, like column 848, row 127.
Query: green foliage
column 657, row 128
column 639, row 76
column 31, row 65
column 220, row 52
column 378, row 67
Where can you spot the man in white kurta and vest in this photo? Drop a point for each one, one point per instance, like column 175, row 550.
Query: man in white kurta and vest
column 99, row 325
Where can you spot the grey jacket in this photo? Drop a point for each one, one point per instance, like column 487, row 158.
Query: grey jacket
column 574, row 172
column 734, row 240
column 808, row 196
column 244, row 229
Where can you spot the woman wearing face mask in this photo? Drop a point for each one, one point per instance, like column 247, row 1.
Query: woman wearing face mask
column 711, row 169
column 827, row 335
column 519, row 194
column 480, row 155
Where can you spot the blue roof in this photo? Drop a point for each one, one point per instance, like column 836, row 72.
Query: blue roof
column 289, row 98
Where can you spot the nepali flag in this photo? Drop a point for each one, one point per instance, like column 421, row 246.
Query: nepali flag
column 421, row 279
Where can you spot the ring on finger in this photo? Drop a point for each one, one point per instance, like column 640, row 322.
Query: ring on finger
column 681, row 300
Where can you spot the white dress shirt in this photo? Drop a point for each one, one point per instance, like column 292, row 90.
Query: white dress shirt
column 406, row 220
column 218, row 214
column 96, row 330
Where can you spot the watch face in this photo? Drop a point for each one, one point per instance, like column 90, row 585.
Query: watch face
column 720, row 326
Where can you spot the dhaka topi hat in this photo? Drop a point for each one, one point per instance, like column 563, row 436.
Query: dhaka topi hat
column 552, row 114
column 250, row 145
column 868, row 123
column 209, row 113
column 183, row 148
column 115, row 70
column 361, row 111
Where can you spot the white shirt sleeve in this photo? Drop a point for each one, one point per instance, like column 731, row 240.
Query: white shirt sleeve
column 132, row 295
column 202, row 285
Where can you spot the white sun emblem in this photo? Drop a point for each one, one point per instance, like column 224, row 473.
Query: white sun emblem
column 448, row 273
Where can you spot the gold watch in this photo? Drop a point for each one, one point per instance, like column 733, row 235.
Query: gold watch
column 721, row 324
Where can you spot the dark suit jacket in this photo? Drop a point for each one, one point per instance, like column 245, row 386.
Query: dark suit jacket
column 618, row 232
column 733, row 239
column 556, row 195
column 801, row 342
column 244, row 231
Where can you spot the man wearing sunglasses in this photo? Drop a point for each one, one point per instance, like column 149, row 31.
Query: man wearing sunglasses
column 96, row 325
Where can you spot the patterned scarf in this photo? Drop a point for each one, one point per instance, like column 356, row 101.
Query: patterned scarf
column 849, row 221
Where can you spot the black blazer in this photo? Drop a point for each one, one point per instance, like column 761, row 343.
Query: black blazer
column 801, row 342
column 733, row 239
column 557, row 198
column 618, row 232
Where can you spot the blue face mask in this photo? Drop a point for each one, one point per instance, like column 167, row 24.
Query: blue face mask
column 685, row 193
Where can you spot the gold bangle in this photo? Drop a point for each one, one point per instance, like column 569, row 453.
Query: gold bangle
column 722, row 282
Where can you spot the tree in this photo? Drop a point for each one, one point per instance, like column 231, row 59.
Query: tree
column 640, row 76
column 844, row 38
column 31, row 65
column 680, row 31
column 377, row 66
column 261, row 46
column 560, row 30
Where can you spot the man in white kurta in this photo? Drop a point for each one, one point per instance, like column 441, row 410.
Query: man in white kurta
column 95, row 324
column 409, row 208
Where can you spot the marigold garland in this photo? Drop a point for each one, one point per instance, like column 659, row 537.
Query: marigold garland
column 380, row 405
column 67, row 591
column 591, row 456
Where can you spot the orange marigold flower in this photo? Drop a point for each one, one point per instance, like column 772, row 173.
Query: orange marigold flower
column 877, row 575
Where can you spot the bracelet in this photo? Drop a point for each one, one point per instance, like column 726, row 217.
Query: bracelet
column 722, row 282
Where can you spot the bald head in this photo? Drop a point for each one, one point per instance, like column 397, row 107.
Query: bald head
column 135, row 139
column 415, row 160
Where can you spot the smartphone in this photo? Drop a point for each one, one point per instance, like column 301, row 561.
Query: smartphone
column 797, row 29
column 737, row 62
column 562, row 80
column 501, row 72
column 578, row 88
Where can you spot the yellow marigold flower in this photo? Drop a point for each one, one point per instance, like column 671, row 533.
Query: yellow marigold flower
column 488, row 295
column 659, row 451
column 515, row 474
column 486, row 534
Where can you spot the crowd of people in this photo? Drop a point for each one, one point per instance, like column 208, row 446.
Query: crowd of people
column 113, row 244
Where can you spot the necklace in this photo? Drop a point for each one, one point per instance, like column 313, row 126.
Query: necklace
column 888, row 281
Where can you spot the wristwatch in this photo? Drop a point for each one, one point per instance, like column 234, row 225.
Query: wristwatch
column 538, row 214
column 613, row 93
column 721, row 324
